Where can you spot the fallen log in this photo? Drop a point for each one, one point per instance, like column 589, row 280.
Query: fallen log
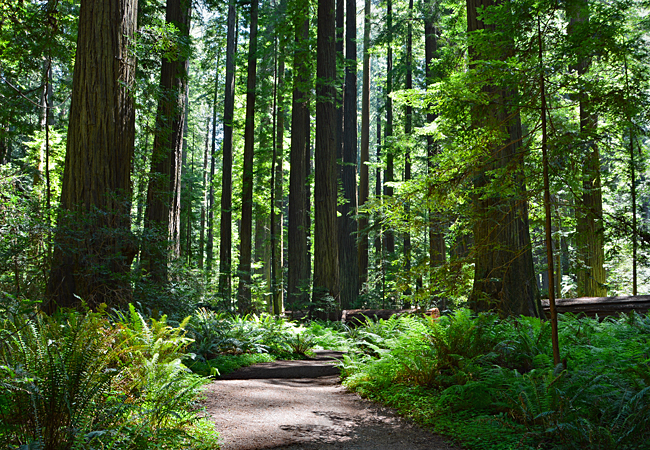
column 601, row 306
column 356, row 317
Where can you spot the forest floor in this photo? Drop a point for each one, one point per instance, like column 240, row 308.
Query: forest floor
column 295, row 405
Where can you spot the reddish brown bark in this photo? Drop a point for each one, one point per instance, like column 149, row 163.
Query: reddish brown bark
column 94, row 247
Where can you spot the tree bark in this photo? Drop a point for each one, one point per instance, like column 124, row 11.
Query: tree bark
column 326, row 259
column 163, row 212
column 94, row 245
column 590, row 229
column 209, row 250
column 245, row 255
column 408, row 129
column 276, row 202
column 225, row 249
column 504, row 277
column 348, row 253
column 205, row 197
column 364, row 188
column 437, row 246
column 298, row 276
column 389, row 176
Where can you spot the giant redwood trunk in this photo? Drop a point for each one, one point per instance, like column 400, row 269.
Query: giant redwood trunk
column 348, row 256
column 225, row 248
column 163, row 212
column 298, row 276
column 94, row 246
column 245, row 255
column 364, row 187
column 326, row 257
column 504, row 278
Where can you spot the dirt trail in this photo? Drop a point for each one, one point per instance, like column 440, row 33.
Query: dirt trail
column 296, row 405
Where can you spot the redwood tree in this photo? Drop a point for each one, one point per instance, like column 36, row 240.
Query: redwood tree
column 225, row 249
column 93, row 244
column 590, row 233
column 244, row 288
column 163, row 212
column 364, row 187
column 298, row 255
column 326, row 255
column 504, row 278
column 348, row 257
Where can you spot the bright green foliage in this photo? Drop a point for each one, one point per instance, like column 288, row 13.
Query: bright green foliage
column 491, row 383
column 77, row 380
column 219, row 333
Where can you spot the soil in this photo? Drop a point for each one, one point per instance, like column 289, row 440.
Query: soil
column 295, row 405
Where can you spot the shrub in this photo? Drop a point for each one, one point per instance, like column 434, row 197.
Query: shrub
column 82, row 381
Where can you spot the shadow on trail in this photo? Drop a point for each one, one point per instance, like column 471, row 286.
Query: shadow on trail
column 322, row 365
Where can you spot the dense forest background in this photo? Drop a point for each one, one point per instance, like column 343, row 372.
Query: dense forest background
column 295, row 155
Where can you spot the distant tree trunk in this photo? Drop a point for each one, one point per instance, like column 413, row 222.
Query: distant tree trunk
column 326, row 258
column 340, row 82
column 437, row 248
column 364, row 188
column 245, row 255
column 408, row 129
column 225, row 249
column 210, row 240
column 633, row 192
column 94, row 246
column 186, row 195
column 590, row 229
column 299, row 264
column 389, row 177
column 163, row 212
column 205, row 197
column 504, row 277
column 348, row 253
column 276, row 200
column 4, row 148
column 379, row 245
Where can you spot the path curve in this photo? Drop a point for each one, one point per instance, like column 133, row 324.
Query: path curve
column 295, row 405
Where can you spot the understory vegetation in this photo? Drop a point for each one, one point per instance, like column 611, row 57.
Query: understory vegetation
column 116, row 380
column 491, row 383
column 98, row 381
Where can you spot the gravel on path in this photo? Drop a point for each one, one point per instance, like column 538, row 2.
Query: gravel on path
column 295, row 405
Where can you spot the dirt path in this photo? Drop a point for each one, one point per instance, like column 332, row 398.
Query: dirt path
column 296, row 405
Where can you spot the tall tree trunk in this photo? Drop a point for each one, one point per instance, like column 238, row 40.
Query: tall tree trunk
column 225, row 249
column 340, row 82
column 326, row 258
column 389, row 177
column 276, row 200
column 504, row 277
column 209, row 250
column 348, row 255
column 364, row 188
column 95, row 246
column 245, row 255
column 162, row 214
column 437, row 248
column 299, row 264
column 205, row 197
column 547, row 202
column 590, row 231
column 408, row 129
column 633, row 192
column 379, row 244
